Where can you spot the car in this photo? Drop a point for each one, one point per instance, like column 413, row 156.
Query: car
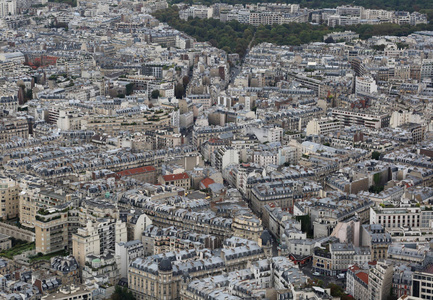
column 316, row 274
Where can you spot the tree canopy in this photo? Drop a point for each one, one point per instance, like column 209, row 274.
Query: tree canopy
column 234, row 37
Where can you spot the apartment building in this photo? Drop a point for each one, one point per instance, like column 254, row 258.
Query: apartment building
column 203, row 99
column 9, row 198
column 334, row 259
column 247, row 226
column 181, row 180
column 51, row 230
column 13, row 127
column 224, row 156
column 380, row 281
column 33, row 198
column 322, row 126
column 375, row 237
column 126, row 253
column 102, row 266
column 367, row 118
column 158, row 240
column 97, row 237
column 159, row 277
column 357, row 282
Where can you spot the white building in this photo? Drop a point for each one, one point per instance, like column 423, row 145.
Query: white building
column 175, row 118
column 186, row 120
column 380, row 281
column 322, row 126
column 365, row 85
column 126, row 253
column 399, row 118
column 8, row 7
column 11, row 56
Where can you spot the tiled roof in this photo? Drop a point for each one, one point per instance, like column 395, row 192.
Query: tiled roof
column 363, row 276
column 172, row 177
column 135, row 171
column 207, row 181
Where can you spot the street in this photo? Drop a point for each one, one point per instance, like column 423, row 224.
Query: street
column 307, row 270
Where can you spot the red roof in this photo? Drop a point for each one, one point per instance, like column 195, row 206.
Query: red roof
column 354, row 268
column 172, row 177
column 363, row 276
column 207, row 181
column 136, row 171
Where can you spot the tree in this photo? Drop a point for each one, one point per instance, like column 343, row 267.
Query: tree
column 329, row 40
column 179, row 91
column 122, row 293
column 129, row 88
column 375, row 155
column 29, row 94
column 185, row 81
column 155, row 94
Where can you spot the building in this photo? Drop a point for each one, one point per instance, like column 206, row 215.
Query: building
column 203, row 99
column 66, row 268
column 346, row 36
column 126, row 253
column 159, row 276
column 225, row 156
column 357, row 282
column 72, row 292
column 5, row 242
column 375, row 237
column 334, row 259
column 13, row 127
column 160, row 240
column 395, row 218
column 322, row 126
column 180, row 180
column 247, row 227
column 367, row 118
column 422, row 283
column 141, row 174
column 97, row 237
column 51, row 229
column 103, row 267
column 9, row 197
column 380, row 281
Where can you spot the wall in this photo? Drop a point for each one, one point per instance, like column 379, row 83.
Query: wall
column 16, row 232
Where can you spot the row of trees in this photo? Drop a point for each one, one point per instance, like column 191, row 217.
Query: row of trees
column 234, row 37
column 414, row 5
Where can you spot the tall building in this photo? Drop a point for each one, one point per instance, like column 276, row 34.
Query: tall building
column 380, row 281
column 7, row 8
column 126, row 253
column 84, row 242
column 9, row 197
column 54, row 228
column 97, row 237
